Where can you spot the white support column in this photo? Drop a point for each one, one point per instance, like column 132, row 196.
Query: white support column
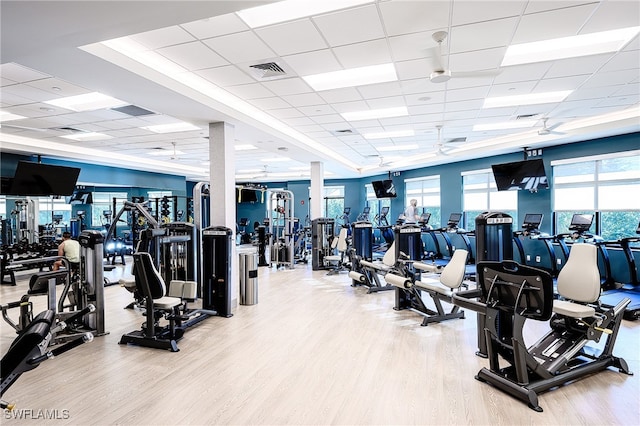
column 317, row 189
column 222, row 189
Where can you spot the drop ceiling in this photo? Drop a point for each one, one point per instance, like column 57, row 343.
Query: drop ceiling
column 53, row 49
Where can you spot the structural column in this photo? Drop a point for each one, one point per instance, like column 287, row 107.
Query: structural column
column 222, row 189
column 317, row 189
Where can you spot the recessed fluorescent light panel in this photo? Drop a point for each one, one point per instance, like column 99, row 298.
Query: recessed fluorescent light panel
column 292, row 9
column 87, row 136
column 505, row 125
column 171, row 127
column 372, row 114
column 397, row 147
column 87, row 102
column 7, row 116
column 569, row 47
column 352, row 77
column 532, row 99
column 244, row 147
column 392, row 134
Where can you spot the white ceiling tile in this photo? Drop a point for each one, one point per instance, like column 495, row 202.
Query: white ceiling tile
column 412, row 46
column 581, row 65
column 57, row 87
column 346, row 94
column 20, row 74
column 316, row 134
column 465, row 82
column 404, row 17
column 395, row 121
column 613, row 14
column 509, row 89
column 240, row 47
column 317, row 109
column 425, row 98
column 417, row 68
column 336, row 126
column 618, row 101
column 472, row 105
column 387, row 102
column 31, row 93
column 468, row 11
column 591, row 93
column 216, row 26
column 612, row 78
column 623, row 61
column 434, row 108
column 350, row 26
column 360, row 125
column 557, row 23
column 482, row 35
column 544, row 5
column 286, row 113
column 304, row 99
column 288, row 86
column 250, row 91
column 632, row 89
column 309, row 129
column 467, row 94
column 310, row 63
column 298, row 121
column 225, row 76
column 193, row 56
column 163, row 37
column 477, row 60
column 351, row 106
column 328, row 118
column 292, row 37
column 363, row 54
column 269, row 103
column 380, row 90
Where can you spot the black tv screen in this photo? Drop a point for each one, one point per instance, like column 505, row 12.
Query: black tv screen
column 528, row 175
column 384, row 188
column 533, row 219
column 81, row 197
column 39, row 179
column 247, row 195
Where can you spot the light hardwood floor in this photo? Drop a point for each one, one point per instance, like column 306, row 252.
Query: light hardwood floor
column 313, row 351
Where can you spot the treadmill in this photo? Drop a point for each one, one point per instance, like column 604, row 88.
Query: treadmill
column 630, row 290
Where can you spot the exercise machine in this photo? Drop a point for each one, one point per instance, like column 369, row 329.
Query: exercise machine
column 531, row 231
column 31, row 348
column 631, row 289
column 386, row 230
column 514, row 293
column 322, row 235
column 280, row 207
column 364, row 216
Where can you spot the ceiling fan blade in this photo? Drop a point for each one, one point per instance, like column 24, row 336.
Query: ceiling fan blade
column 476, row 74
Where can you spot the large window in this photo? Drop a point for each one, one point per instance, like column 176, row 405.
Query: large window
column 102, row 203
column 427, row 191
column 334, row 203
column 479, row 194
column 605, row 185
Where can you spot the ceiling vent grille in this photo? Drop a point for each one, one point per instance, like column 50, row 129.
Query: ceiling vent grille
column 344, row 132
column 70, row 129
column 132, row 110
column 527, row 116
column 270, row 70
column 456, row 140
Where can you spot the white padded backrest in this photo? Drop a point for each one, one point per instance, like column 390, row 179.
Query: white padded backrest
column 334, row 242
column 579, row 279
column 342, row 240
column 453, row 273
column 389, row 257
column 175, row 288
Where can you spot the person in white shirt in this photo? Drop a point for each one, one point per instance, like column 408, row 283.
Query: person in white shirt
column 411, row 212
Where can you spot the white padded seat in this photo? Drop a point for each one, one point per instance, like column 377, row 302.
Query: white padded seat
column 128, row 282
column 451, row 277
column 434, row 285
column 167, row 302
column 339, row 244
column 388, row 260
column 579, row 282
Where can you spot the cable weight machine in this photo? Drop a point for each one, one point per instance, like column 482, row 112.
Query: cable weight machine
column 281, row 227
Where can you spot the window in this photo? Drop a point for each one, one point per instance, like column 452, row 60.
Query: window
column 54, row 212
column 334, row 203
column 480, row 194
column 376, row 205
column 103, row 202
column 427, row 191
column 604, row 185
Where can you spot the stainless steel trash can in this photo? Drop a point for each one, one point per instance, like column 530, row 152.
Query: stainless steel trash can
column 248, row 278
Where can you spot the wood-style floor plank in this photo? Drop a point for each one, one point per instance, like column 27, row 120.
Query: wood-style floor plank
column 313, row 351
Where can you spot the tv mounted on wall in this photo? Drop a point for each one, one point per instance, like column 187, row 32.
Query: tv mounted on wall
column 528, row 175
column 39, row 179
column 384, row 188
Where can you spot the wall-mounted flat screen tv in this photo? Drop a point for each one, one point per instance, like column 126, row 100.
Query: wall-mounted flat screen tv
column 39, row 179
column 246, row 195
column 384, row 188
column 528, row 175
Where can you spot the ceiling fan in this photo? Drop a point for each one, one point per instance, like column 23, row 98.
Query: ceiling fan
column 440, row 74
column 443, row 147
column 546, row 130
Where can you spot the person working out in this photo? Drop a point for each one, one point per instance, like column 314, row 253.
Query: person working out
column 411, row 212
column 69, row 249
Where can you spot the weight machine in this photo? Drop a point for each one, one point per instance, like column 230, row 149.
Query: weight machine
column 281, row 227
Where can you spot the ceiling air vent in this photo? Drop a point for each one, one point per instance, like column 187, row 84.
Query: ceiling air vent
column 344, row 132
column 132, row 110
column 527, row 116
column 456, row 140
column 270, row 70
column 70, row 129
